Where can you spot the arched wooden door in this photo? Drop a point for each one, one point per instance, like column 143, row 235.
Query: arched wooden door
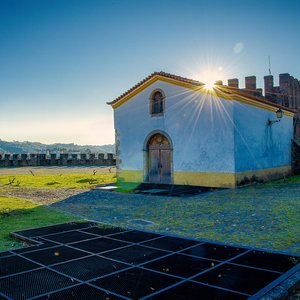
column 159, row 159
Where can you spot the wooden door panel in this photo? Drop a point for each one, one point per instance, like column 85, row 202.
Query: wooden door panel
column 159, row 159
column 154, row 161
column 165, row 166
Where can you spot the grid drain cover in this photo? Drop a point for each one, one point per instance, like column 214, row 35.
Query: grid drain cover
column 140, row 222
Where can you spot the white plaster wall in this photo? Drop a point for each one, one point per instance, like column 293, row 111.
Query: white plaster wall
column 200, row 127
column 258, row 145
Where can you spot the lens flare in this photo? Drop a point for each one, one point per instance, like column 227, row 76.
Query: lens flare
column 209, row 84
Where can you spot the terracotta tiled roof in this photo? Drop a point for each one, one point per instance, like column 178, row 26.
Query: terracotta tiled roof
column 163, row 74
column 222, row 88
column 247, row 94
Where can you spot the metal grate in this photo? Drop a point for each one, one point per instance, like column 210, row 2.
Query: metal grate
column 102, row 231
column 135, row 236
column 270, row 261
column 171, row 190
column 55, row 255
column 140, row 222
column 54, row 229
column 6, row 253
column 181, row 265
column 69, row 237
column 134, row 254
column 238, row 278
column 45, row 244
column 191, row 290
column 15, row 264
column 33, row 283
column 135, row 283
column 80, row 292
column 170, row 243
column 214, row 251
column 99, row 245
column 160, row 267
column 90, row 267
column 184, row 191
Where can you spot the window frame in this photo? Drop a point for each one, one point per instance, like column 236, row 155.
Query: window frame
column 151, row 101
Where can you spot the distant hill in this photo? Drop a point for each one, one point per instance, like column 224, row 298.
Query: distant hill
column 36, row 147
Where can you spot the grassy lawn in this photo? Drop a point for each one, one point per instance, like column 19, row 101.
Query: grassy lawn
column 19, row 214
column 57, row 180
column 262, row 216
column 292, row 179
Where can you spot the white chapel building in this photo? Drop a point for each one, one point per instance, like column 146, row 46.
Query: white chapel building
column 172, row 130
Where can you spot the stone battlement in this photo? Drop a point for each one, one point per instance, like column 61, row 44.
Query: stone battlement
column 286, row 94
column 23, row 160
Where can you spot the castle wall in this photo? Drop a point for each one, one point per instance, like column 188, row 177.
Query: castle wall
column 22, row 160
column 286, row 94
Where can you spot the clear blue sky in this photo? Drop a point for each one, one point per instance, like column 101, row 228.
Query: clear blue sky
column 62, row 60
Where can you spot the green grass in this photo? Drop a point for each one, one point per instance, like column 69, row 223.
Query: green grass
column 262, row 215
column 57, row 180
column 293, row 179
column 19, row 214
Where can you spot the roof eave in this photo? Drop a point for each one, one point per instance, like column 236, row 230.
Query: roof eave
column 228, row 92
column 151, row 78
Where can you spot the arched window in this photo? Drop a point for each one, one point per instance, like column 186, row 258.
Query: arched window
column 157, row 103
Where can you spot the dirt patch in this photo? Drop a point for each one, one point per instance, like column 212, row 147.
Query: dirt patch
column 56, row 170
column 41, row 196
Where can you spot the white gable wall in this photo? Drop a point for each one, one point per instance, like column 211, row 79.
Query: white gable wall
column 200, row 128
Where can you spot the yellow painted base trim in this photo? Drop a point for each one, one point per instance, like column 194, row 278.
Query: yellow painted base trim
column 263, row 175
column 213, row 179
column 186, row 178
column 210, row 179
column 131, row 176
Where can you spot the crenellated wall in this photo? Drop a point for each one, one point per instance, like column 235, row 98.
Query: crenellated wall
column 286, row 94
column 22, row 160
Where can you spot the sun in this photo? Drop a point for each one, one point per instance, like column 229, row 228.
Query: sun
column 209, row 84
column 208, row 77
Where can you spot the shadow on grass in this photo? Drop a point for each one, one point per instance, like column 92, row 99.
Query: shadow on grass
column 88, row 180
column 14, row 218
column 52, row 183
column 262, row 216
